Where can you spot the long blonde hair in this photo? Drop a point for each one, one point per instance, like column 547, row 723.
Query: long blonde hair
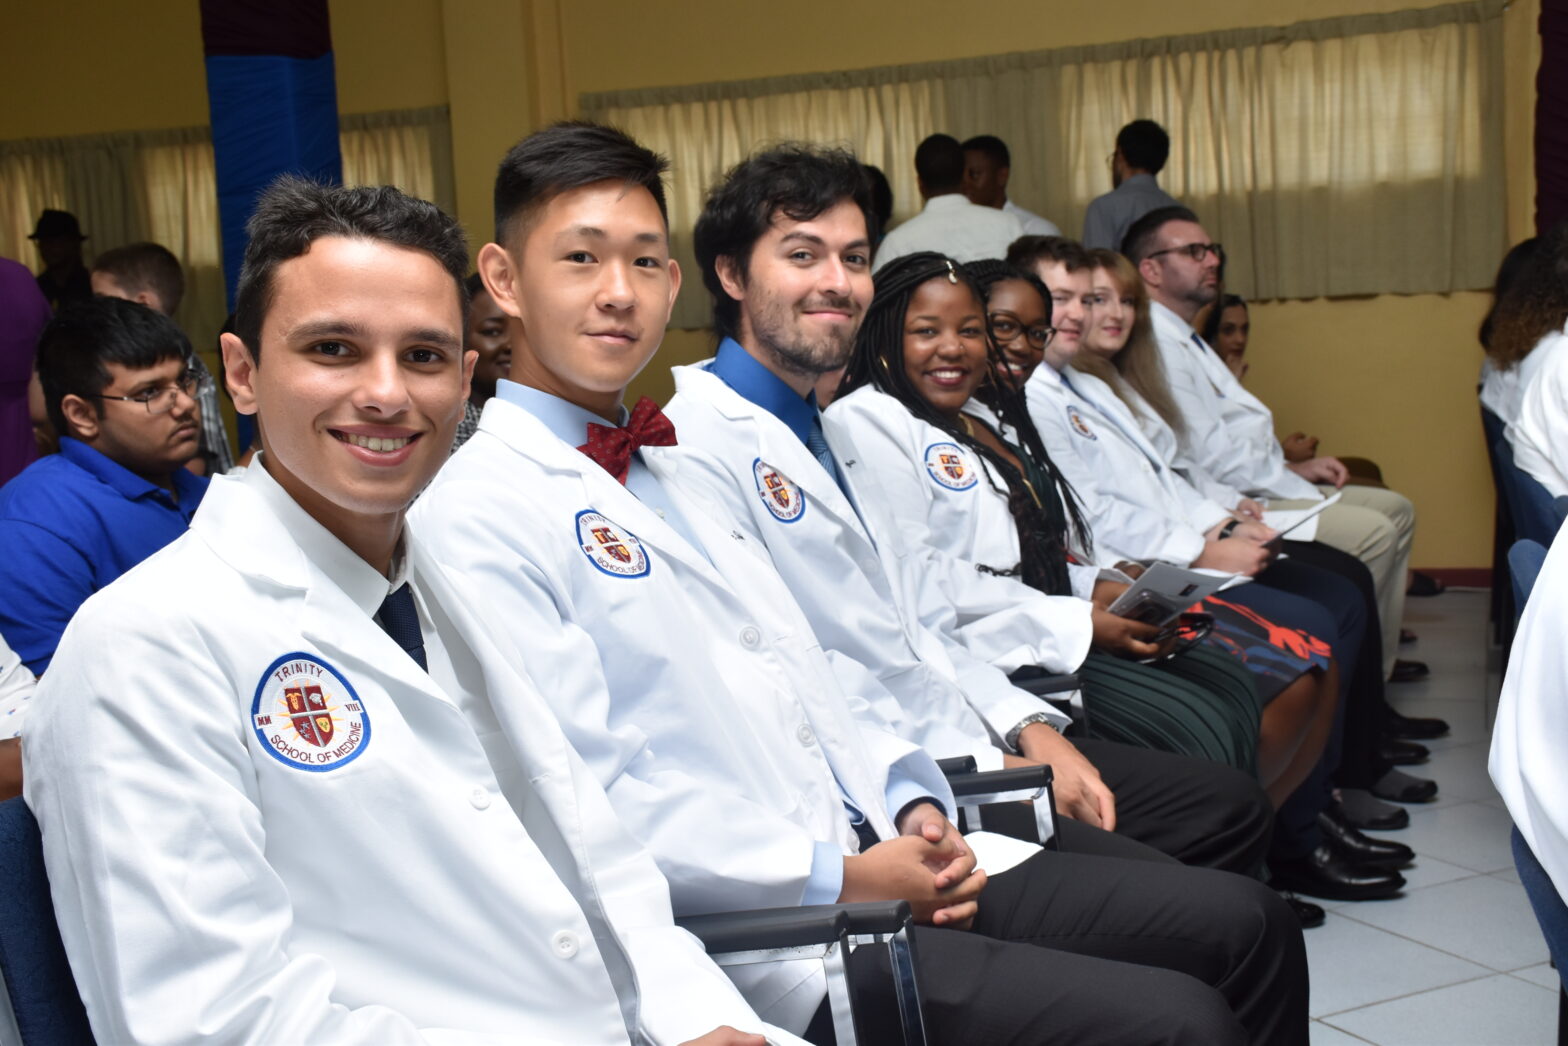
column 1137, row 365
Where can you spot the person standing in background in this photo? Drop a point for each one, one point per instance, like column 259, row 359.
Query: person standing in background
column 1142, row 147
column 59, row 238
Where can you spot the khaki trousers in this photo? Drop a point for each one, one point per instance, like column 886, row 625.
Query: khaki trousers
column 1377, row 526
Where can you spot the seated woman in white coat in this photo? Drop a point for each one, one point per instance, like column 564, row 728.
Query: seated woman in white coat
column 1528, row 336
column 1498, row 387
column 688, row 678
column 281, row 812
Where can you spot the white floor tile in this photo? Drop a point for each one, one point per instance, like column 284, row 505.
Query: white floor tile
column 1471, row 835
column 1495, row 1011
column 1542, row 974
column 1483, row 919
column 1510, row 875
column 1354, row 965
column 1327, row 1035
column 1429, row 871
column 1460, row 772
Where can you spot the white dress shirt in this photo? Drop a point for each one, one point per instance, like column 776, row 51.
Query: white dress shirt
column 953, row 226
column 1033, row 224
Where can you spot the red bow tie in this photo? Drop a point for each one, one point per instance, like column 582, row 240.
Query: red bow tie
column 613, row 447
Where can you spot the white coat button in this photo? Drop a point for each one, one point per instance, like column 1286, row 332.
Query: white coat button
column 750, row 637
column 805, row 735
column 480, row 798
column 564, row 944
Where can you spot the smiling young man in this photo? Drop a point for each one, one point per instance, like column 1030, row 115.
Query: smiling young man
column 281, row 811
column 119, row 392
column 677, row 656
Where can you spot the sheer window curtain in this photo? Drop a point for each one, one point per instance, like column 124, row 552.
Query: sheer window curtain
column 161, row 186
column 1358, row 155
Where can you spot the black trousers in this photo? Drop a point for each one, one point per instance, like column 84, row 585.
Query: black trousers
column 1201, row 813
column 1087, row 947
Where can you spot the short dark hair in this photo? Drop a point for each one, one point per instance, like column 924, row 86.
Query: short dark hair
column 1025, row 251
column 145, row 266
column 1138, row 244
column 881, row 194
column 939, row 161
column 1144, row 145
column 569, row 155
column 992, row 146
column 294, row 212
column 85, row 336
column 797, row 180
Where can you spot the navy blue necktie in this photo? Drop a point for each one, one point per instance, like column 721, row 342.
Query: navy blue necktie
column 399, row 618
column 817, row 443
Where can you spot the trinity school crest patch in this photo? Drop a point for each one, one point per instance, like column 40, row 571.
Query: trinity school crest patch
column 949, row 466
column 785, row 500
column 1079, row 425
column 307, row 715
column 611, row 547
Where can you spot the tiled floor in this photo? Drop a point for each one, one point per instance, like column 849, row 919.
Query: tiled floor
column 1457, row 958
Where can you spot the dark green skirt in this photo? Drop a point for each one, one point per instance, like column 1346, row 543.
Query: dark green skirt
column 1202, row 704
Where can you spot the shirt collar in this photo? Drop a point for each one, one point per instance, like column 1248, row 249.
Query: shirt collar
column 1139, row 180
column 360, row 581
column 567, row 421
column 739, row 369
column 948, row 201
column 188, row 488
column 1162, row 314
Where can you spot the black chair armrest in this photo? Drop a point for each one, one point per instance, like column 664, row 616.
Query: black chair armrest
column 762, row 929
column 1021, row 779
column 958, row 764
column 1039, row 682
column 880, row 917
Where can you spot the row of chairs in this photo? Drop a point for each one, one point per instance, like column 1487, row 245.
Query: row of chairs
column 48, row 1009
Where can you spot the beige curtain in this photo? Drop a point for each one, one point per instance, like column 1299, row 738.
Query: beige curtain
column 161, row 186
column 1358, row 155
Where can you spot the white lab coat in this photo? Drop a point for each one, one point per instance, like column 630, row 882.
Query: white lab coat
column 861, row 594
column 1499, row 390
column 209, row 888
column 1137, row 505
column 1539, row 434
column 1531, row 730
column 937, row 496
column 694, row 689
column 1229, row 432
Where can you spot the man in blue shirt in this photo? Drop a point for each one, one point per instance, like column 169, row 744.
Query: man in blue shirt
column 119, row 391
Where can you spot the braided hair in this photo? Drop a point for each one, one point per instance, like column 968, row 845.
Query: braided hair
column 878, row 360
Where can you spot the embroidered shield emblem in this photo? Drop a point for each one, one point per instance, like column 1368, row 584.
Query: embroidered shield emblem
column 307, row 715
column 610, row 547
column 785, row 501
column 949, row 466
column 1079, row 425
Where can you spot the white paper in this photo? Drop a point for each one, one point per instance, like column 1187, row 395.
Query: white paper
column 1299, row 523
column 1173, row 588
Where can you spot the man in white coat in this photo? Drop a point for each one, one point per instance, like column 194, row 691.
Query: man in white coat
column 686, row 674
column 1229, row 437
column 283, row 809
column 792, row 479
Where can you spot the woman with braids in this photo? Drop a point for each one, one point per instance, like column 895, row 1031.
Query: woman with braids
column 977, row 482
column 1528, row 334
column 921, row 352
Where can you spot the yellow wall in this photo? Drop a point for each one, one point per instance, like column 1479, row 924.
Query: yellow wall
column 1389, row 378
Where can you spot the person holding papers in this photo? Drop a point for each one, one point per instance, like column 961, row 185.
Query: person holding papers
column 921, row 356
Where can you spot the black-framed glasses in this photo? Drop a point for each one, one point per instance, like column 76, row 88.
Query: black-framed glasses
column 161, row 400
column 1006, row 329
column 1195, row 251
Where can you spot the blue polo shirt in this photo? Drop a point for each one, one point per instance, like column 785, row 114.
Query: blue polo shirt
column 71, row 523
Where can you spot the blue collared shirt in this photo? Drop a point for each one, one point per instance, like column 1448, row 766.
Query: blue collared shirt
column 71, row 523
column 570, row 422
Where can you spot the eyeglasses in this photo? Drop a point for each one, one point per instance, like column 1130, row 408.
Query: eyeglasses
column 1006, row 329
column 1195, row 251
column 161, row 400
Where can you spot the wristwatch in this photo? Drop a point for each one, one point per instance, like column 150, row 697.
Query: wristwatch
column 1011, row 740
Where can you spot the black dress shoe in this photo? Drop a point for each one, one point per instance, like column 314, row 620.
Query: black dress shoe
column 1395, row 752
column 1413, row 728
column 1324, row 873
column 1362, row 849
column 1361, row 809
column 1409, row 671
column 1399, row 787
column 1424, row 585
column 1407, row 636
column 1309, row 915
